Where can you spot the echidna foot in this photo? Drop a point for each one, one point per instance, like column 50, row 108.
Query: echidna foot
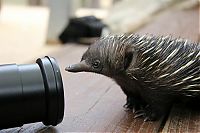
column 147, row 113
column 133, row 104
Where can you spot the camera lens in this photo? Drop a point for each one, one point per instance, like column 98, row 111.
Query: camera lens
column 31, row 93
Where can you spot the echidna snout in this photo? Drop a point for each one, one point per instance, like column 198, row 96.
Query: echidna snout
column 79, row 67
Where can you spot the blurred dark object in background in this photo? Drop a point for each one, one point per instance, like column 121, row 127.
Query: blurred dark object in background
column 83, row 27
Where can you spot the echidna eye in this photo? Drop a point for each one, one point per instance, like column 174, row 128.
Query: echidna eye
column 96, row 64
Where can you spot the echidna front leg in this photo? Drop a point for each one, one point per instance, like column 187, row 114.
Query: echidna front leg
column 157, row 106
column 133, row 101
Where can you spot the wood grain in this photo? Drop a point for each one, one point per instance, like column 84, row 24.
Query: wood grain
column 183, row 119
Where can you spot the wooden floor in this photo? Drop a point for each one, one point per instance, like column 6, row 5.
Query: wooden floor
column 93, row 103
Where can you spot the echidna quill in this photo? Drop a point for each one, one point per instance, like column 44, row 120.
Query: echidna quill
column 152, row 71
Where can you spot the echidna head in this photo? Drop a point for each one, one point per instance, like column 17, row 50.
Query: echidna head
column 107, row 56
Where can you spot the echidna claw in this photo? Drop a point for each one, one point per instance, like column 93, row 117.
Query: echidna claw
column 147, row 119
column 134, row 110
column 127, row 107
column 139, row 111
column 139, row 115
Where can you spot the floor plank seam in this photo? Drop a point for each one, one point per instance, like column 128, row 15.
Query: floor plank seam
column 162, row 125
column 96, row 102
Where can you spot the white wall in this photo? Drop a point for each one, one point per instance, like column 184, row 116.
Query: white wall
column 59, row 16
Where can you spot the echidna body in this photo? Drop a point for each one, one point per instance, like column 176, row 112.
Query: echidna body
column 152, row 71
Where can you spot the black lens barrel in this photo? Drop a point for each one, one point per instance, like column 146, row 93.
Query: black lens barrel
column 31, row 93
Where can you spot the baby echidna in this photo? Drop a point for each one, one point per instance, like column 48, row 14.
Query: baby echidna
column 152, row 71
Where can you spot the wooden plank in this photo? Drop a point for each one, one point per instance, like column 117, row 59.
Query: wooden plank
column 183, row 119
column 113, row 117
column 176, row 22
